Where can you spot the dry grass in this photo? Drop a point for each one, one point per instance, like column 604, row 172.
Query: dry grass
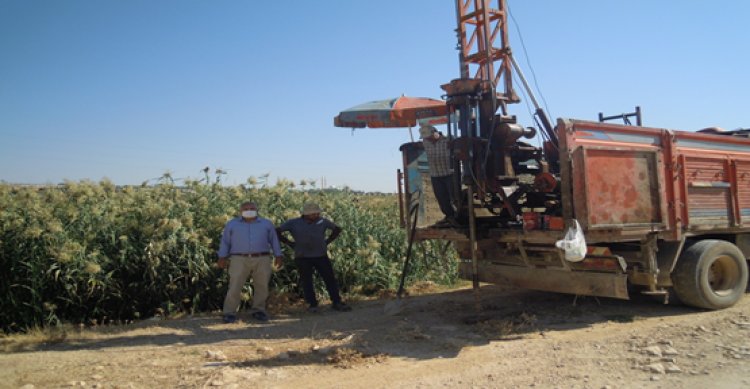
column 347, row 358
column 34, row 337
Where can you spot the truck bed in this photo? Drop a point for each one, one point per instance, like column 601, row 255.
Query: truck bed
column 624, row 181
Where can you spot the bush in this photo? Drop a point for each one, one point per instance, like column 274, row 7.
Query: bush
column 87, row 252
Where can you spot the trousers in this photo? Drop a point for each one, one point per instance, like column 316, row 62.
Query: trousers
column 442, row 187
column 240, row 268
column 325, row 269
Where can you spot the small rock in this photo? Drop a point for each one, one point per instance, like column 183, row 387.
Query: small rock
column 656, row 368
column 668, row 360
column 672, row 368
column 653, row 350
column 702, row 328
column 655, row 378
column 99, row 368
column 292, row 353
column 28, row 386
column 215, row 355
column 265, row 350
column 348, row 338
column 216, row 383
column 315, row 348
column 97, row 377
column 666, row 342
column 669, row 350
column 283, row 355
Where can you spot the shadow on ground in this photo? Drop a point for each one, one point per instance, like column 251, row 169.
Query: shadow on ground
column 437, row 325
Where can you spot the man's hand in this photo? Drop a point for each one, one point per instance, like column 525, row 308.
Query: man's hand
column 222, row 263
column 277, row 263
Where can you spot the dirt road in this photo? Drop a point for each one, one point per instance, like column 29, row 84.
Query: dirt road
column 521, row 339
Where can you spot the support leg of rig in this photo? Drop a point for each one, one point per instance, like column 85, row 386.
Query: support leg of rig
column 473, row 244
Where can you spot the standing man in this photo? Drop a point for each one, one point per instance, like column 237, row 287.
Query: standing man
column 311, row 253
column 441, row 173
column 246, row 247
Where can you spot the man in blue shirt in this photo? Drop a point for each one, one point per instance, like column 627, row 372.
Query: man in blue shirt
column 311, row 253
column 246, row 247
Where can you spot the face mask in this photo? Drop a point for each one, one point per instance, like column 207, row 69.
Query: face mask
column 250, row 214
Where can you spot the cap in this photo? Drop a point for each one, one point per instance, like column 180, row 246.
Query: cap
column 311, row 208
column 426, row 131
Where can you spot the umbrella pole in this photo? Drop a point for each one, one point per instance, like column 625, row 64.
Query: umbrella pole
column 411, row 135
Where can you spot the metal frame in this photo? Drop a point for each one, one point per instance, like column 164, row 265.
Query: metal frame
column 479, row 27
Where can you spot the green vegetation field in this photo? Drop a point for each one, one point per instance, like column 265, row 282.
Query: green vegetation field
column 87, row 252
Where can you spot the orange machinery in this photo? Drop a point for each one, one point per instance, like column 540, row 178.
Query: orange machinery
column 662, row 209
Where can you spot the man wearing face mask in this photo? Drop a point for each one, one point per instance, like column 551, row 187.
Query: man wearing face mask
column 437, row 148
column 311, row 253
column 247, row 246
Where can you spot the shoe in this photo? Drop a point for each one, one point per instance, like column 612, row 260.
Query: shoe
column 313, row 309
column 341, row 307
column 229, row 319
column 260, row 316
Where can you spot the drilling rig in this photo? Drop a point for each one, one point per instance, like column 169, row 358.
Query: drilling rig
column 500, row 174
column 662, row 211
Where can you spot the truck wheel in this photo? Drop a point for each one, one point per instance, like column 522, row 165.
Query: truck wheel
column 710, row 274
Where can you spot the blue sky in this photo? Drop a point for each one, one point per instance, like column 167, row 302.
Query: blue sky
column 129, row 90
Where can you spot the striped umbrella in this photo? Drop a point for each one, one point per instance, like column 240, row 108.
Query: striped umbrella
column 392, row 113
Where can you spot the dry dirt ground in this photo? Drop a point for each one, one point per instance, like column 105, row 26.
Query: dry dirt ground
column 519, row 339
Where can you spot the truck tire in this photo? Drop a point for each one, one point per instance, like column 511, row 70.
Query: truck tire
column 710, row 274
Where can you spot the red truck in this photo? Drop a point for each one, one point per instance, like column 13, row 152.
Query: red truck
column 661, row 209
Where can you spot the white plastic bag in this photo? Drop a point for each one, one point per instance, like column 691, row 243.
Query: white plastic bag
column 574, row 243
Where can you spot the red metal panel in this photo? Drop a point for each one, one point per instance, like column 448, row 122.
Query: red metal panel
column 700, row 181
column 620, row 187
column 709, row 195
column 742, row 169
column 700, row 169
column 672, row 186
column 683, row 211
column 709, row 207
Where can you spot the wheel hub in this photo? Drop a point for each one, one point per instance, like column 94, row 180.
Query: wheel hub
column 723, row 275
